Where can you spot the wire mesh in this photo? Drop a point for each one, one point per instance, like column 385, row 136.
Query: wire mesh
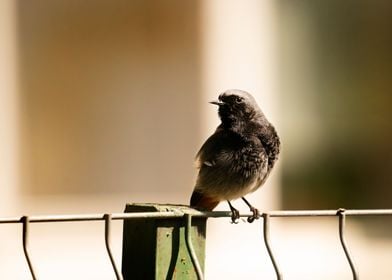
column 341, row 213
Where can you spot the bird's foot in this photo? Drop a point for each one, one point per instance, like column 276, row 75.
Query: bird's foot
column 235, row 216
column 255, row 216
column 255, row 211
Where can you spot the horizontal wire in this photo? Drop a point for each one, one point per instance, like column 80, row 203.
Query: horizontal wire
column 194, row 213
column 319, row 213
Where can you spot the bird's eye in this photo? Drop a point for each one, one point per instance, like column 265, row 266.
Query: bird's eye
column 238, row 99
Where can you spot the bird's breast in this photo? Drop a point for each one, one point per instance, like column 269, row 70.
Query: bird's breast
column 248, row 161
column 246, row 174
column 238, row 168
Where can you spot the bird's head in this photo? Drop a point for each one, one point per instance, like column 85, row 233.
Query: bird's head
column 237, row 106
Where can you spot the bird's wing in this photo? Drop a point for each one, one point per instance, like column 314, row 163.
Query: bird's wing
column 215, row 160
column 210, row 154
column 271, row 143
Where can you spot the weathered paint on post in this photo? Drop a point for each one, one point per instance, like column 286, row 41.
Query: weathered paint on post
column 156, row 248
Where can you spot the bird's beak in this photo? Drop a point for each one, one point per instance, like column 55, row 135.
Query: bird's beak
column 217, row 102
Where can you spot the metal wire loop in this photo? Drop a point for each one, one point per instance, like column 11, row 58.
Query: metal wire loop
column 108, row 219
column 267, row 243
column 342, row 225
column 188, row 240
column 25, row 231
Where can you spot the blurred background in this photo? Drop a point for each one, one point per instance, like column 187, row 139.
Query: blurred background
column 106, row 102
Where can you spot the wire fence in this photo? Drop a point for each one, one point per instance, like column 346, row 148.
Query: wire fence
column 341, row 214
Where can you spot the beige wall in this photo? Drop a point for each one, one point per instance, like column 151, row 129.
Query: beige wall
column 9, row 111
column 239, row 51
column 110, row 96
column 111, row 107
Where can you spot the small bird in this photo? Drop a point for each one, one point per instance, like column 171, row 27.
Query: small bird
column 238, row 157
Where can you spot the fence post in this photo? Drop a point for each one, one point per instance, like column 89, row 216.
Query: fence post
column 156, row 248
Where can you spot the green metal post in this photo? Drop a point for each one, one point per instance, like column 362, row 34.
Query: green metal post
column 157, row 248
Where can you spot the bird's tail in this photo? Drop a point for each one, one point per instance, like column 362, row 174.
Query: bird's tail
column 201, row 201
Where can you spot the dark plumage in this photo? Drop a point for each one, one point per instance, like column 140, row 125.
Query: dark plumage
column 238, row 157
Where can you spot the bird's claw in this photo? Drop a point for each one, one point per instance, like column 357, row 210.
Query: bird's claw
column 235, row 216
column 255, row 216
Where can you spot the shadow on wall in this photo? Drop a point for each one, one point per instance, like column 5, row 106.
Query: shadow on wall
column 109, row 94
column 336, row 67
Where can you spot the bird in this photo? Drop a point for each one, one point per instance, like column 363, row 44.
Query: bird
column 238, row 157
